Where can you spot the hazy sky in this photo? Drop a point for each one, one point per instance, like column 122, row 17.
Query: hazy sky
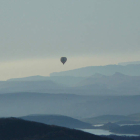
column 35, row 34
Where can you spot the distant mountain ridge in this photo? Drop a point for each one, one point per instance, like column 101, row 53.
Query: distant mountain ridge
column 94, row 80
column 133, row 70
column 30, row 78
column 97, row 84
column 116, row 84
column 105, row 119
column 114, row 80
column 58, row 120
column 65, row 80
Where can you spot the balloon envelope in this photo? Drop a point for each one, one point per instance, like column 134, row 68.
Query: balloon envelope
column 63, row 60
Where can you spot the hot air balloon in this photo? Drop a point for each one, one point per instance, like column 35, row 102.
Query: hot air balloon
column 63, row 60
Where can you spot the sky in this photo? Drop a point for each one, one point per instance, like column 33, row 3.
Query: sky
column 35, row 34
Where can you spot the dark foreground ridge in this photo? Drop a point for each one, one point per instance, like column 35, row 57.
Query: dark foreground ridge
column 17, row 129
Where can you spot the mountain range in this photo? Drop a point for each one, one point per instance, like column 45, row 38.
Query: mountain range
column 116, row 84
column 131, row 69
column 97, row 84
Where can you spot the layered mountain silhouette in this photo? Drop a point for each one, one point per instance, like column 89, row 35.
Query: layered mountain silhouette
column 97, row 84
